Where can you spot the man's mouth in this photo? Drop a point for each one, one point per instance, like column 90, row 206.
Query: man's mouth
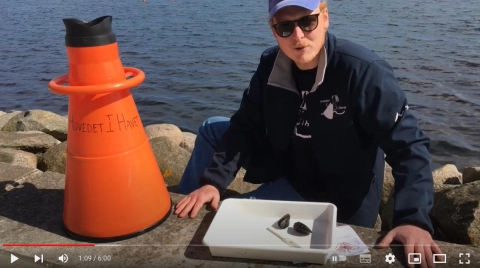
column 301, row 45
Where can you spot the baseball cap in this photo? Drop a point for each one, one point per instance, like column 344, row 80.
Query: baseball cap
column 275, row 5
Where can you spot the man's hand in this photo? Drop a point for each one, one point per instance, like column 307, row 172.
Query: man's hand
column 415, row 240
column 192, row 203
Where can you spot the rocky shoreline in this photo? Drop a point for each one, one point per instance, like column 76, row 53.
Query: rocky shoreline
column 37, row 139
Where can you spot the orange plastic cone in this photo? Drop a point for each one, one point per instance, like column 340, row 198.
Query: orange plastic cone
column 114, row 188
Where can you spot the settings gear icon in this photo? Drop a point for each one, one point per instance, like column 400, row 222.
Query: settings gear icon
column 390, row 258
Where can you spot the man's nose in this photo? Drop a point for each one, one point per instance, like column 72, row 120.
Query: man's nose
column 297, row 33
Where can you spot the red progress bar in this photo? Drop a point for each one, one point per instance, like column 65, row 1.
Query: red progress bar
column 48, row 245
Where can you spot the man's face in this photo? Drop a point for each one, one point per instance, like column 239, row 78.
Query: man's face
column 301, row 46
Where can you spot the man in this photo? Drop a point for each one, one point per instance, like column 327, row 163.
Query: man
column 314, row 125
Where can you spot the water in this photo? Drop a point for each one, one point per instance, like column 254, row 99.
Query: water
column 199, row 57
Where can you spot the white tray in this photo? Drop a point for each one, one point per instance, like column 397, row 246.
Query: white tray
column 239, row 230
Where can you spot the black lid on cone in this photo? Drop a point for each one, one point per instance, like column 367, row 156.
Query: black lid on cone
column 97, row 32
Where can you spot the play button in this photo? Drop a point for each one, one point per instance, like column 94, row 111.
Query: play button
column 13, row 258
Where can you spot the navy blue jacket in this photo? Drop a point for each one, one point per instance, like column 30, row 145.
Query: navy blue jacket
column 356, row 111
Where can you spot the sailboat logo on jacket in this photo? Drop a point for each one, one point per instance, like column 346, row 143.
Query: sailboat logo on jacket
column 332, row 107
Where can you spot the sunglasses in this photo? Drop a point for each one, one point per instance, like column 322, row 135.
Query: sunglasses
column 286, row 28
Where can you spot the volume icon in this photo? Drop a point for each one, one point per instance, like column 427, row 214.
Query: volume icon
column 63, row 258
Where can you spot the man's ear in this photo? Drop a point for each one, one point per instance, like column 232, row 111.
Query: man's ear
column 326, row 18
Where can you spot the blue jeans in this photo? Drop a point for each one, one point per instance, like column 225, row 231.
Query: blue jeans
column 209, row 135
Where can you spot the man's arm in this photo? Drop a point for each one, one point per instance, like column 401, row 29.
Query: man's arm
column 236, row 144
column 382, row 111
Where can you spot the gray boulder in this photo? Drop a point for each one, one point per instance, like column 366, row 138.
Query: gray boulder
column 388, row 186
column 30, row 141
column 457, row 213
column 8, row 122
column 188, row 141
column 16, row 176
column 171, row 158
column 164, row 130
column 241, row 187
column 44, row 121
column 447, row 174
column 471, row 174
column 54, row 159
column 4, row 118
column 18, row 157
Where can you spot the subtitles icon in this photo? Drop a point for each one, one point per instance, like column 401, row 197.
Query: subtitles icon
column 414, row 258
column 63, row 258
column 365, row 258
column 439, row 258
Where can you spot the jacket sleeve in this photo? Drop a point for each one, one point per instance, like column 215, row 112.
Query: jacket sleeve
column 236, row 144
column 383, row 113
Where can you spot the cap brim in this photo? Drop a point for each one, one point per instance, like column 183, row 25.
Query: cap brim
column 307, row 4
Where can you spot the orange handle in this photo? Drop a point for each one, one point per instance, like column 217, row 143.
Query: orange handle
column 56, row 84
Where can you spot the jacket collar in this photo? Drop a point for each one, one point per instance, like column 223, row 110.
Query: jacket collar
column 281, row 74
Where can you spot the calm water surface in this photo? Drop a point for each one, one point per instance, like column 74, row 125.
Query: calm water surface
column 199, row 57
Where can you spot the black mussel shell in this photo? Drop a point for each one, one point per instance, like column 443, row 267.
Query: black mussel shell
column 301, row 228
column 284, row 222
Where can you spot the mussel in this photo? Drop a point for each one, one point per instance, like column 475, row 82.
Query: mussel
column 301, row 228
column 284, row 222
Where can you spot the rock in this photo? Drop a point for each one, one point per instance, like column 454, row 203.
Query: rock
column 165, row 130
column 386, row 213
column 4, row 119
column 54, row 159
column 378, row 224
column 11, row 173
column 188, row 141
column 44, row 121
column 241, row 187
column 30, row 141
column 457, row 212
column 171, row 158
column 471, row 174
column 388, row 185
column 455, row 215
column 18, row 157
column 447, row 174
column 52, row 176
column 386, row 204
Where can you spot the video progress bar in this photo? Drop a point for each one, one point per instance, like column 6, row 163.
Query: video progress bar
column 48, row 245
